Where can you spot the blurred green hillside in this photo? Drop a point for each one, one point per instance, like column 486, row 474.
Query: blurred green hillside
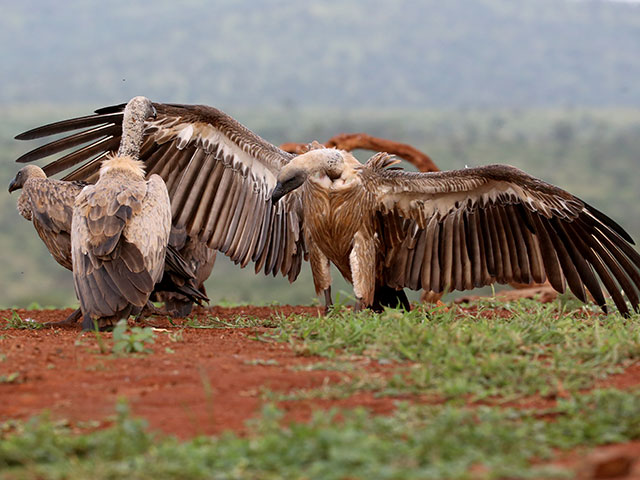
column 355, row 53
column 551, row 86
column 595, row 154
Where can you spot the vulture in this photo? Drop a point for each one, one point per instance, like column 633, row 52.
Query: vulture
column 384, row 228
column 450, row 230
column 48, row 204
column 120, row 230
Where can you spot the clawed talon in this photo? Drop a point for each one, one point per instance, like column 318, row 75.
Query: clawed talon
column 70, row 320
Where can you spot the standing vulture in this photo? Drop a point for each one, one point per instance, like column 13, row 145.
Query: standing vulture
column 453, row 230
column 385, row 228
column 120, row 230
column 48, row 204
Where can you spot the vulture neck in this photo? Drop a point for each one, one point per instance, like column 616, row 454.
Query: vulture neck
column 132, row 131
column 24, row 207
column 123, row 164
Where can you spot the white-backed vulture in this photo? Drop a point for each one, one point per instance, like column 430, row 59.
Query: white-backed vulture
column 454, row 230
column 120, row 230
column 48, row 204
column 429, row 230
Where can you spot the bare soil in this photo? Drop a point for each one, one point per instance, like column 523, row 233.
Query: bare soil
column 206, row 381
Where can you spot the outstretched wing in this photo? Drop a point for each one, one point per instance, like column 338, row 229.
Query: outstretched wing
column 469, row 228
column 218, row 173
column 51, row 205
column 109, row 270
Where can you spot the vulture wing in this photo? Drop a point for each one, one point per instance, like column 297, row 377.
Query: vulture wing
column 219, row 175
column 469, row 228
column 51, row 203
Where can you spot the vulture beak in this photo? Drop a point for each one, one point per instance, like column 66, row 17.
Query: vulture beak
column 288, row 185
column 154, row 112
column 13, row 186
column 277, row 193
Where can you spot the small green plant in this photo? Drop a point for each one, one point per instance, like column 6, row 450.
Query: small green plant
column 132, row 340
column 12, row 377
column 176, row 337
column 16, row 322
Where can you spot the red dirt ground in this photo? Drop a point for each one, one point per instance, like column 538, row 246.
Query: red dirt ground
column 208, row 381
column 212, row 381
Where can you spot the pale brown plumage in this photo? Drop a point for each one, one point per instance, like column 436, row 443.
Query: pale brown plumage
column 120, row 230
column 454, row 230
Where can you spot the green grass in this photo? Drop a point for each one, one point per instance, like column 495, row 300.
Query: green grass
column 131, row 340
column 15, row 321
column 454, row 358
column 539, row 349
column 416, row 442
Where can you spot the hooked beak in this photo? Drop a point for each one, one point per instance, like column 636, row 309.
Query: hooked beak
column 288, row 185
column 13, row 186
column 154, row 112
column 278, row 193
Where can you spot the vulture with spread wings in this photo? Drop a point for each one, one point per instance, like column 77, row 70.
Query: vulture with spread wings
column 454, row 230
column 384, row 229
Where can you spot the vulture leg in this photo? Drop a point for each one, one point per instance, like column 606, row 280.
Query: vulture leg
column 150, row 309
column 88, row 323
column 362, row 262
column 328, row 302
column 359, row 306
column 70, row 320
column 386, row 296
column 321, row 273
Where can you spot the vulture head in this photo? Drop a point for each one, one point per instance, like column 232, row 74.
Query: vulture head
column 25, row 173
column 327, row 162
column 137, row 111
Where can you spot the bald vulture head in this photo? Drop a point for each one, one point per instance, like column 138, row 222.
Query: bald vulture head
column 24, row 174
column 136, row 112
column 321, row 161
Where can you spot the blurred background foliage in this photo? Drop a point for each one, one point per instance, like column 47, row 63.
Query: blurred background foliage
column 550, row 86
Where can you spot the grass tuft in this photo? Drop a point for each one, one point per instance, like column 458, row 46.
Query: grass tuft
column 415, row 442
column 534, row 348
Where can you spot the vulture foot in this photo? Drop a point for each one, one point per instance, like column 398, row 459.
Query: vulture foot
column 359, row 306
column 177, row 309
column 70, row 320
column 390, row 297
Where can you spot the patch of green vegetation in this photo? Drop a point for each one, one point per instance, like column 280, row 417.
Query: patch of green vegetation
column 15, row 321
column 13, row 377
column 263, row 362
column 538, row 349
column 131, row 340
column 415, row 442
column 211, row 322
